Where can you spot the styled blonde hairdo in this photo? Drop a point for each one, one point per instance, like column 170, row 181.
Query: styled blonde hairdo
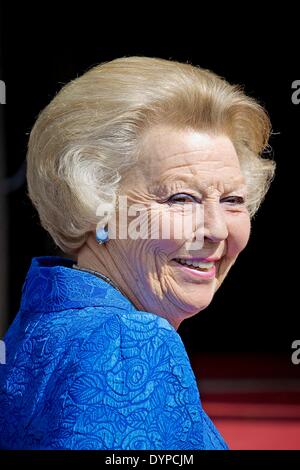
column 91, row 131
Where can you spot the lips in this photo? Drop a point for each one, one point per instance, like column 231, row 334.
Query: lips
column 203, row 269
column 199, row 265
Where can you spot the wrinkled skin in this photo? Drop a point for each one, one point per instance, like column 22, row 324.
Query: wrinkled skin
column 205, row 167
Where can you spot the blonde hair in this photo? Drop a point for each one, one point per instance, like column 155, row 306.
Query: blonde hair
column 90, row 133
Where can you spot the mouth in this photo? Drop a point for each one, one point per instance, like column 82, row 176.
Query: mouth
column 204, row 269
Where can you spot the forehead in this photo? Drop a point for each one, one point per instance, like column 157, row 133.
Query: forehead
column 167, row 152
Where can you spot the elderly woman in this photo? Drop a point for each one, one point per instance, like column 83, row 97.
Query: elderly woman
column 94, row 360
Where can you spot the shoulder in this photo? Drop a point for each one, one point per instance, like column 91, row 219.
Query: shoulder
column 131, row 378
column 104, row 379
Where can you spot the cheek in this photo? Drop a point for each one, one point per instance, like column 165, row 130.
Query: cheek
column 177, row 227
column 161, row 227
column 239, row 227
column 168, row 229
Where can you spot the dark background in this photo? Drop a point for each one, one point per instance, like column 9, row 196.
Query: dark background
column 256, row 310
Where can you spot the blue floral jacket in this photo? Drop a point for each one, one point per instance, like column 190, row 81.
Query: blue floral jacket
column 86, row 370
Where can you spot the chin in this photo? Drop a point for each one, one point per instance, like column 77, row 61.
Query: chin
column 200, row 304
column 195, row 310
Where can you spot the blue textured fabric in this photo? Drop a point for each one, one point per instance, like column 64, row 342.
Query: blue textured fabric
column 86, row 370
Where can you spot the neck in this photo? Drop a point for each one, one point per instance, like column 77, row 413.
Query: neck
column 101, row 259
column 109, row 260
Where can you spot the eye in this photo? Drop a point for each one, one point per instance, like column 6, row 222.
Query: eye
column 181, row 198
column 233, row 199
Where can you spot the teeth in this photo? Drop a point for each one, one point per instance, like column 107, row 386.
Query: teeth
column 196, row 264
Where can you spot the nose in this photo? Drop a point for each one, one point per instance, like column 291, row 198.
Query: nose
column 215, row 226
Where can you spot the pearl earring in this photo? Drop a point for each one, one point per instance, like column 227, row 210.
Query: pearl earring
column 102, row 234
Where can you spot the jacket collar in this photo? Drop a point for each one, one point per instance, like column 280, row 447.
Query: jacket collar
column 51, row 284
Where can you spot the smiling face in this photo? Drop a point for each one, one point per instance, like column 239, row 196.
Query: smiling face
column 179, row 170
